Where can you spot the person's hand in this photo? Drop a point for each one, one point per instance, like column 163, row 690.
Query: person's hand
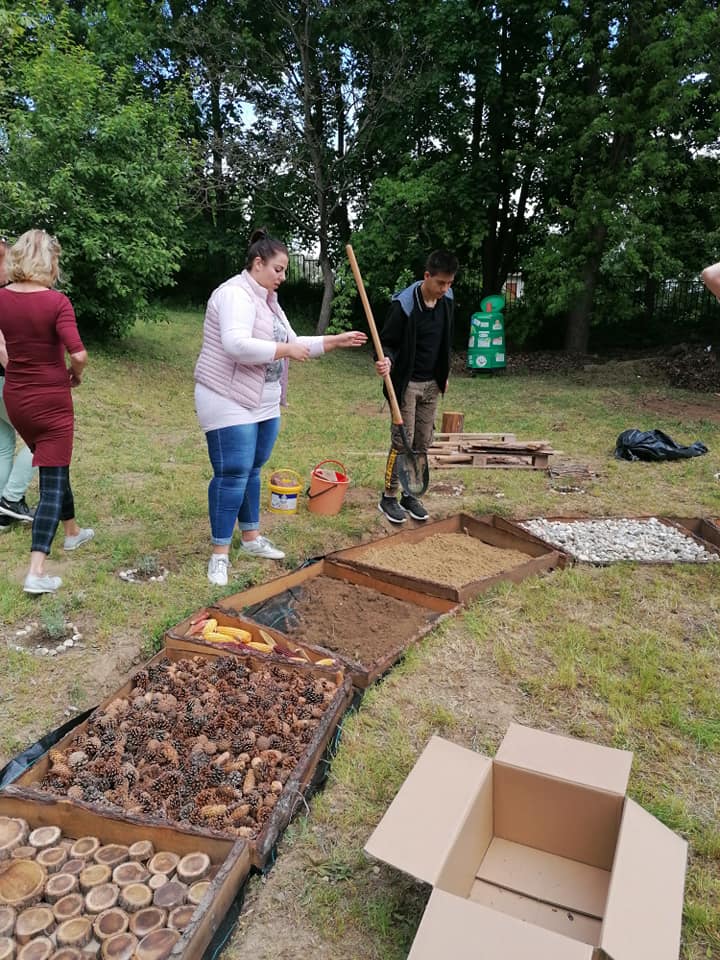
column 298, row 351
column 75, row 380
column 352, row 338
column 383, row 366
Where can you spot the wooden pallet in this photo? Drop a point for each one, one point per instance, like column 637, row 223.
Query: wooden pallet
column 488, row 451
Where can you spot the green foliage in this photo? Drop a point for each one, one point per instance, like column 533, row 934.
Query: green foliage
column 52, row 619
column 89, row 157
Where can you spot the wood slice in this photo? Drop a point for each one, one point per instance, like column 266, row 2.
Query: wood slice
column 44, row 837
column 68, row 907
column 157, row 880
column 110, row 922
column 67, row 953
column 85, row 847
column 101, row 898
column 7, row 948
column 52, row 858
column 120, row 947
column 59, row 886
column 38, row 949
column 170, row 895
column 164, row 862
column 34, row 922
column 180, row 917
column 74, row 866
column 94, row 875
column 145, row 921
column 24, row 853
column 157, row 945
column 21, row 882
column 197, row 891
column 453, row 422
column 112, row 854
column 130, row 872
column 91, row 951
column 75, row 932
column 142, row 850
column 193, row 866
column 7, row 921
column 13, row 833
column 135, row 896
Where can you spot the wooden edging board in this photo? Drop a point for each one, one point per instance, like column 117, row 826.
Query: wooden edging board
column 178, row 635
column 362, row 675
column 542, row 556
column 291, row 797
column 230, row 858
column 703, row 532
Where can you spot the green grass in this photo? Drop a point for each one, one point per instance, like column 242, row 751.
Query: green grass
column 625, row 655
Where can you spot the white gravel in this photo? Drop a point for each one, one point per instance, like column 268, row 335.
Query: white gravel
column 606, row 541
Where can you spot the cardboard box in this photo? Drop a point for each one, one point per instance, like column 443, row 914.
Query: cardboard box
column 538, row 853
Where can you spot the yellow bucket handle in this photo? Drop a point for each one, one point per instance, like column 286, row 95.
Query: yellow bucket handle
column 286, row 471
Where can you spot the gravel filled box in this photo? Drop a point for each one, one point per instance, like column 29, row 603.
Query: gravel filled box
column 603, row 540
column 94, row 885
column 362, row 621
column 456, row 558
column 213, row 743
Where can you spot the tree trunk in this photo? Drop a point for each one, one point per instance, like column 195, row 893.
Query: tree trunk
column 328, row 294
column 577, row 332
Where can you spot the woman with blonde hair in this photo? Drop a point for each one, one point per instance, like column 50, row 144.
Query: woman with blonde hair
column 37, row 330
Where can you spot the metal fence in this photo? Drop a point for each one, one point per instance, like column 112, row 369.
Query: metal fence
column 304, row 268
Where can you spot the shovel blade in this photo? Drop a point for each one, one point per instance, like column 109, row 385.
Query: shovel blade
column 413, row 473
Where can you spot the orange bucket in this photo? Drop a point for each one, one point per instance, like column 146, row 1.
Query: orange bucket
column 327, row 488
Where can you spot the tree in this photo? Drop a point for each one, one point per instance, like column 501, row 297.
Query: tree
column 91, row 158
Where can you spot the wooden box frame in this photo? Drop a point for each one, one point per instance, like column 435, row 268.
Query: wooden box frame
column 362, row 675
column 489, row 529
column 231, row 857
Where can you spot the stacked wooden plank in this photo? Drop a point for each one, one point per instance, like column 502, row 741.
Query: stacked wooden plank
column 489, row 451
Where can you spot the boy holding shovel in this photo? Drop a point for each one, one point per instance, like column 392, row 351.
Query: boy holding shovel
column 416, row 340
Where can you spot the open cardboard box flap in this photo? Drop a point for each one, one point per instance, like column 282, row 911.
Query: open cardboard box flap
column 430, row 809
column 460, row 815
column 461, row 930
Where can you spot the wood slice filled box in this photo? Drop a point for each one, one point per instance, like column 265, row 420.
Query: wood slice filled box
column 216, row 744
column 364, row 622
column 72, row 842
column 189, row 634
column 456, row 558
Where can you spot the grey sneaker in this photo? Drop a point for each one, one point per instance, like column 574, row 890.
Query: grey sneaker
column 45, row 584
column 17, row 509
column 392, row 510
column 262, row 547
column 218, row 567
column 72, row 543
column 414, row 507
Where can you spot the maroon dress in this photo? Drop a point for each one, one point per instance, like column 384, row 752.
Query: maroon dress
column 39, row 326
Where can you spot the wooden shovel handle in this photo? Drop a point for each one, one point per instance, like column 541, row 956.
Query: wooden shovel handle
column 394, row 408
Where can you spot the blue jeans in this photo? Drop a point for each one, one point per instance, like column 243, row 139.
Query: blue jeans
column 16, row 472
column 237, row 454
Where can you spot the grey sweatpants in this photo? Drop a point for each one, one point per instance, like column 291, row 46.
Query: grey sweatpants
column 418, row 408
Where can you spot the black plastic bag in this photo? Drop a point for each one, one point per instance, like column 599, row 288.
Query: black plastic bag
column 654, row 445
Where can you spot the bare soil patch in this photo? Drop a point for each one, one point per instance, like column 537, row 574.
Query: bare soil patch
column 670, row 408
column 355, row 621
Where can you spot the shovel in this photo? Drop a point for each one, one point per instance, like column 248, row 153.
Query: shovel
column 412, row 467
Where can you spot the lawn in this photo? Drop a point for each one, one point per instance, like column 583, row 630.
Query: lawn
column 626, row 655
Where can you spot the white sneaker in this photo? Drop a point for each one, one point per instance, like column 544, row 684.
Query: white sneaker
column 218, row 567
column 261, row 547
column 44, row 584
column 83, row 535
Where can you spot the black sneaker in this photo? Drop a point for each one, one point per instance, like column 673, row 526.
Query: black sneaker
column 6, row 523
column 392, row 510
column 17, row 509
column 414, row 507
